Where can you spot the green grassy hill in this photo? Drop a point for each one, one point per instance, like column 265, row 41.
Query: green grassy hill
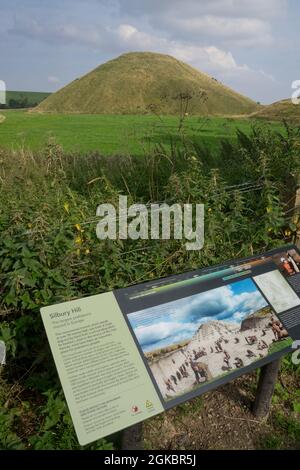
column 29, row 98
column 135, row 82
column 278, row 111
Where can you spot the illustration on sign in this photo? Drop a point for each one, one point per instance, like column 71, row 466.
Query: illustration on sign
column 196, row 339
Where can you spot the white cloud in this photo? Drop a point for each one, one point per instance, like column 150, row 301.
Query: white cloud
column 211, row 302
column 209, row 58
column 241, row 31
column 179, row 8
column 81, row 34
column 240, row 23
column 57, row 33
column 53, row 79
column 214, row 57
column 163, row 330
column 221, row 301
column 126, row 31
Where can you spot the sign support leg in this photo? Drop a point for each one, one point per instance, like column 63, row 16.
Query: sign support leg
column 132, row 438
column 265, row 388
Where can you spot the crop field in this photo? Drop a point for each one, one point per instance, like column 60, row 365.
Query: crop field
column 118, row 134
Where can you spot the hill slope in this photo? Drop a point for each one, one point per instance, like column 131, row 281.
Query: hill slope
column 278, row 111
column 132, row 82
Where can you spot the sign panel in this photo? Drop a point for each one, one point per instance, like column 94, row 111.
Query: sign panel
column 127, row 355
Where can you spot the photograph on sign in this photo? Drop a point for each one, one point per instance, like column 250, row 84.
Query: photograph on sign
column 194, row 340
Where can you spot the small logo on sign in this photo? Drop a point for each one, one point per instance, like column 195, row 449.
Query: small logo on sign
column 135, row 409
column 149, row 404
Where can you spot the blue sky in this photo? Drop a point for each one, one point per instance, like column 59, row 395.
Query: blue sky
column 178, row 320
column 250, row 45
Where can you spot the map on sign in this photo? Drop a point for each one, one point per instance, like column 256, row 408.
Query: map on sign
column 130, row 354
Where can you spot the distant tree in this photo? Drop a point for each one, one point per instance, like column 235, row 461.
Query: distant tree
column 21, row 102
column 12, row 103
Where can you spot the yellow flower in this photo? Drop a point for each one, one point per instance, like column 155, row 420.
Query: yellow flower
column 269, row 209
column 78, row 251
column 270, row 229
column 66, row 207
column 29, row 225
column 78, row 240
column 78, row 228
column 287, row 233
column 210, row 209
column 87, row 251
column 295, row 219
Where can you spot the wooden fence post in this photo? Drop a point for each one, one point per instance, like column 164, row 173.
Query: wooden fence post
column 132, row 438
column 265, row 388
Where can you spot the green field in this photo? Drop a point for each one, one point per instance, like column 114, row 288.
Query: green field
column 113, row 134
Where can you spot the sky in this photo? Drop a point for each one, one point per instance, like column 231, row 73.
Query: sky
column 251, row 46
column 177, row 321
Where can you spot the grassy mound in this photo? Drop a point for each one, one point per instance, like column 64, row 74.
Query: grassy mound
column 143, row 82
column 280, row 110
